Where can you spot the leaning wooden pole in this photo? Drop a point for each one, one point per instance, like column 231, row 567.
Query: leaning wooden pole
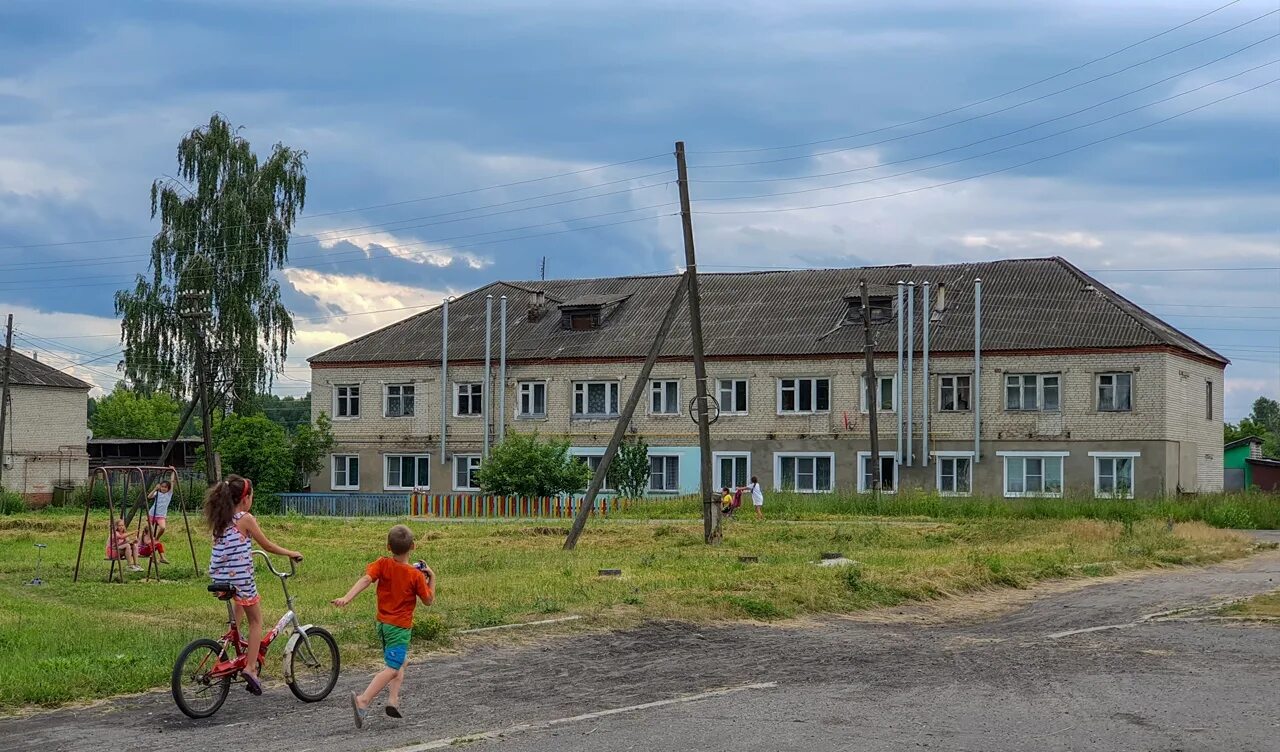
column 620, row 429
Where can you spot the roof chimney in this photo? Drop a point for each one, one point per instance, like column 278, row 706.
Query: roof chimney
column 537, row 304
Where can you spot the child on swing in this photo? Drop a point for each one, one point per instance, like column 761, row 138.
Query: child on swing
column 147, row 544
column 123, row 547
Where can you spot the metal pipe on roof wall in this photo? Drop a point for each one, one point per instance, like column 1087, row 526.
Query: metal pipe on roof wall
column 444, row 375
column 926, row 391
column 486, row 385
column 977, row 371
column 911, row 370
column 502, row 369
column 897, row 382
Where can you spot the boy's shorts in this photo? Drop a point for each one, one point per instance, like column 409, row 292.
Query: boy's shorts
column 395, row 644
column 155, row 519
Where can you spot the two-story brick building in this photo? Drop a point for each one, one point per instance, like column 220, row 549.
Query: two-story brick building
column 45, row 429
column 1079, row 391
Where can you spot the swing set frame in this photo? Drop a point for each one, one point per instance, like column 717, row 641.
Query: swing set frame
column 130, row 510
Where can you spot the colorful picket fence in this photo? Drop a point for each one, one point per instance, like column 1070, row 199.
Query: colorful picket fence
column 482, row 506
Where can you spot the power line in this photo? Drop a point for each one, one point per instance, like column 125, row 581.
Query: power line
column 999, row 111
column 990, row 172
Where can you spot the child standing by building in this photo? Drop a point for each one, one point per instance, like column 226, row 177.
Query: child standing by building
column 400, row 586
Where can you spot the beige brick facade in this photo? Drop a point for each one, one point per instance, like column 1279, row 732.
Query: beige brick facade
column 45, row 441
column 1176, row 446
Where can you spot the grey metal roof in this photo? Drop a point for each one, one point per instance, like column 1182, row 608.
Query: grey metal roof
column 30, row 372
column 1027, row 304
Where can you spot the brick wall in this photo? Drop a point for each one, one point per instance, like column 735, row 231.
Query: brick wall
column 48, row 440
column 1189, row 421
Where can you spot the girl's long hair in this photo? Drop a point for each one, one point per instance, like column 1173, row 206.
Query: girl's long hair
column 221, row 500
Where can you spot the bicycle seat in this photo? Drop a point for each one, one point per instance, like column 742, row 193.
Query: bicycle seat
column 224, row 590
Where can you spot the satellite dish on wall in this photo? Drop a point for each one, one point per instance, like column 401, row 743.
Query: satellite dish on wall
column 88, row 434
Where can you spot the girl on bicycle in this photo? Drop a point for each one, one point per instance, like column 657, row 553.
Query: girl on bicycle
column 234, row 529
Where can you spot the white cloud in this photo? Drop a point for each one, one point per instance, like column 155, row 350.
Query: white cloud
column 27, row 177
column 94, row 337
column 406, row 247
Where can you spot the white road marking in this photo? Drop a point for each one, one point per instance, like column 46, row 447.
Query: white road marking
column 521, row 728
column 1157, row 616
column 1103, row 628
column 521, row 624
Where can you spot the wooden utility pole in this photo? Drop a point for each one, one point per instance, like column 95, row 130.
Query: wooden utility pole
column 638, row 391
column 193, row 309
column 4, row 391
column 710, row 506
column 873, row 388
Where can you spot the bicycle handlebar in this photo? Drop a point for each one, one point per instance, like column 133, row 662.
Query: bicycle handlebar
column 293, row 567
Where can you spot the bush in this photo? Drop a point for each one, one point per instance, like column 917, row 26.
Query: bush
column 11, row 503
column 525, row 466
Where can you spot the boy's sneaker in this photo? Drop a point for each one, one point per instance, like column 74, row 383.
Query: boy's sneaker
column 135, row 568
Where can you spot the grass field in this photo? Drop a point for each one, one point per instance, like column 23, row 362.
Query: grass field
column 1263, row 606
column 64, row 642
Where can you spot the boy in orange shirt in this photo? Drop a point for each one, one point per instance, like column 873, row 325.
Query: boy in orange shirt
column 400, row 585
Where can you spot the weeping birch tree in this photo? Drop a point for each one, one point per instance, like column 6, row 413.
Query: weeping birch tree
column 225, row 221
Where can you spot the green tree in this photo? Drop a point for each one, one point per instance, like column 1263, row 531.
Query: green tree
column 310, row 445
column 523, row 465
column 1263, row 422
column 126, row 414
column 257, row 449
column 630, row 469
column 225, row 221
column 289, row 412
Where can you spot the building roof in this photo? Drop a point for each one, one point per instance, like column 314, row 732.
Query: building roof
column 1247, row 440
column 1263, row 462
column 182, row 440
column 1027, row 305
column 31, row 372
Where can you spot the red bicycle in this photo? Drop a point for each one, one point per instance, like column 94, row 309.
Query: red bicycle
column 204, row 670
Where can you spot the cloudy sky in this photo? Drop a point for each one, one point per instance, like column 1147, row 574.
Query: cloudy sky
column 819, row 133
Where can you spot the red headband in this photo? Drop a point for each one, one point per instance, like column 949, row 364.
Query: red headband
column 248, row 489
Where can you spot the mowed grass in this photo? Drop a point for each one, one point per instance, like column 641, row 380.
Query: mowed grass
column 1264, row 606
column 64, row 642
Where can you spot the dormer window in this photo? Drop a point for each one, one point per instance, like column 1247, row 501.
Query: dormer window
column 588, row 313
column 881, row 301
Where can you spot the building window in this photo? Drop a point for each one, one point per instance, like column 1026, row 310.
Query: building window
column 888, row 472
column 807, row 473
column 1032, row 474
column 468, row 399
column 1113, row 474
column 533, row 399
column 593, row 461
column 732, row 469
column 405, row 472
column 664, row 397
column 346, row 400
column 1208, row 400
column 804, row 395
column 1115, row 392
column 1031, row 392
column 595, row 399
column 885, row 394
column 733, row 396
column 953, row 393
column 664, row 473
column 465, row 467
column 346, row 472
column 954, row 474
column 398, row 400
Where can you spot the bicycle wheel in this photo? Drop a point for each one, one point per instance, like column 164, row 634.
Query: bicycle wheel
column 196, row 693
column 313, row 665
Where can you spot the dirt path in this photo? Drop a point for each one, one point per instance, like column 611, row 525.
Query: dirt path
column 993, row 681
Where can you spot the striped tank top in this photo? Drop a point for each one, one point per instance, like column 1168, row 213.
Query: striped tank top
column 232, row 559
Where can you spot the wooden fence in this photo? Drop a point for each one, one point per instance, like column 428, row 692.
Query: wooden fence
column 461, row 506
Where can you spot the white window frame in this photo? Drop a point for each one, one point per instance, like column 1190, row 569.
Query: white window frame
column 472, row 395
column 586, row 457
column 611, row 393
column 348, row 396
column 520, row 395
column 1004, row 473
column 715, row 468
column 346, row 471
column 862, row 479
column 1097, row 475
column 664, row 457
column 777, row 470
column 1039, row 385
column 938, row 457
column 881, row 378
column 386, row 471
column 661, row 392
column 813, row 394
column 733, row 381
column 1097, row 393
column 470, row 470
column 386, row 399
column 955, row 388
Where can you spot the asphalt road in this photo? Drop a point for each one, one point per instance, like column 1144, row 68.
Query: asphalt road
column 1035, row 675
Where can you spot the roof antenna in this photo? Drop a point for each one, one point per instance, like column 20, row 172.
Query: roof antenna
column 544, row 268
